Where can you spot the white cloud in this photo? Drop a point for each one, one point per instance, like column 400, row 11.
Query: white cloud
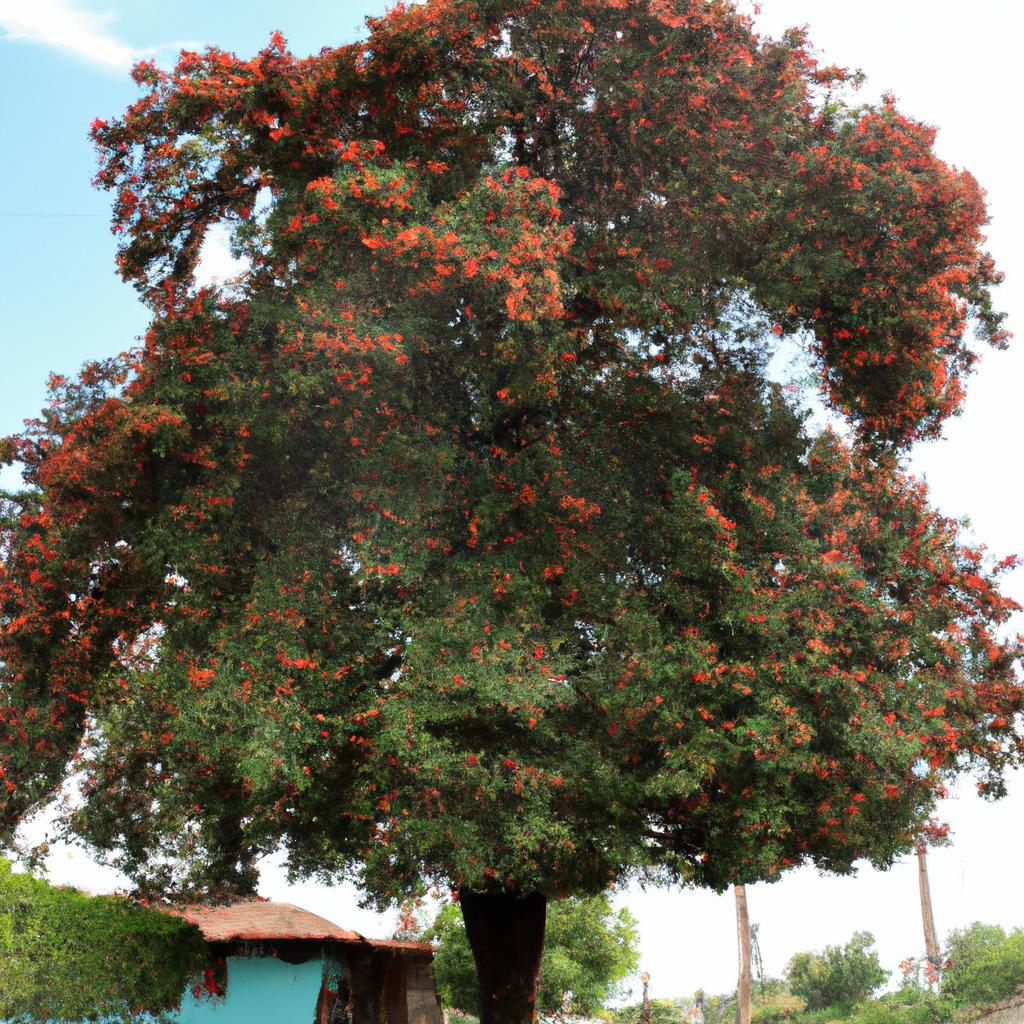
column 61, row 25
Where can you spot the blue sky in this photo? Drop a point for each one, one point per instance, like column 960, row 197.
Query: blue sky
column 64, row 62
column 62, row 65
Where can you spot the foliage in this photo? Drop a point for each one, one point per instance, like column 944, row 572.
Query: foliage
column 905, row 1006
column 588, row 951
column 458, row 1017
column 771, row 1002
column 984, row 964
column 840, row 976
column 453, row 968
column 964, row 946
column 908, row 1005
column 65, row 956
column 663, row 1011
column 466, row 537
column 777, row 1005
column 773, row 1012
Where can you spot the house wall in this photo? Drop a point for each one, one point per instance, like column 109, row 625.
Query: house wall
column 260, row 989
column 423, row 1005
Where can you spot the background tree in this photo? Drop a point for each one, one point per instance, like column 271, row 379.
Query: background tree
column 983, row 964
column 589, row 950
column 65, row 956
column 467, row 538
column 840, row 976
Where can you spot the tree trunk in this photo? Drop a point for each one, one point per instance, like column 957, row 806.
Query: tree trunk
column 506, row 934
column 931, row 942
column 743, row 937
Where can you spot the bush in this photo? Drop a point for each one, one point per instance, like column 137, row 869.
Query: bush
column 773, row 1013
column 663, row 1011
column 907, row 1006
column 458, row 1017
column 839, row 977
column 776, row 1006
column 65, row 956
column 985, row 965
column 829, row 1015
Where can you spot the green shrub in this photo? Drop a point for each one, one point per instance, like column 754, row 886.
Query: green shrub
column 776, row 1006
column 907, row 1006
column 65, row 956
column 839, row 977
column 986, row 965
column 663, row 1011
column 774, row 1013
column 458, row 1017
column 828, row 1015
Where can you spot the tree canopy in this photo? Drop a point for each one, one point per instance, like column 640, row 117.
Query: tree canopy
column 467, row 536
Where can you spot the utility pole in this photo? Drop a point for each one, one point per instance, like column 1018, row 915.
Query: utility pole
column 743, row 938
column 931, row 942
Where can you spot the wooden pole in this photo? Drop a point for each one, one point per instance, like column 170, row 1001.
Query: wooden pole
column 931, row 942
column 743, row 938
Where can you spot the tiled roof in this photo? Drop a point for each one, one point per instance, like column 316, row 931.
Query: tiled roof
column 401, row 946
column 263, row 919
column 256, row 919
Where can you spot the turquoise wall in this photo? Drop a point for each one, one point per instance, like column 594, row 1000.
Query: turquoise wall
column 261, row 990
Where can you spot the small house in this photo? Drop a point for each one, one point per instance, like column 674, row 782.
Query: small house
column 274, row 963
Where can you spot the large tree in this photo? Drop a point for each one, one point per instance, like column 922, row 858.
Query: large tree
column 467, row 538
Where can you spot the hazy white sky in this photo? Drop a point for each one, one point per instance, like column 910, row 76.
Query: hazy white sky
column 956, row 65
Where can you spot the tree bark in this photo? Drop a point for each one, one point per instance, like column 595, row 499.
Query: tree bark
column 506, row 934
column 743, row 937
column 931, row 942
